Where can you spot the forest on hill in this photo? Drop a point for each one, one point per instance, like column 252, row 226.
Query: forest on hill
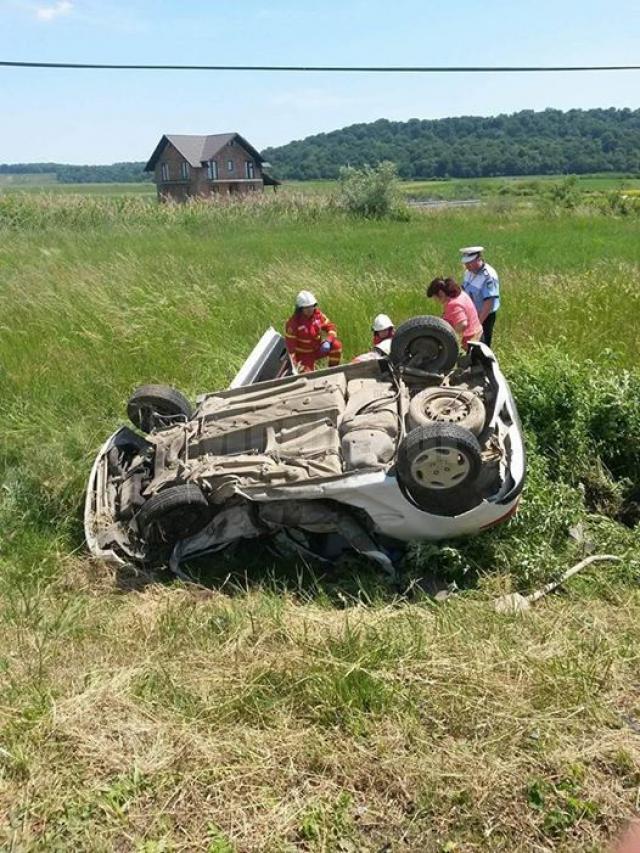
column 122, row 173
column 524, row 143
column 550, row 142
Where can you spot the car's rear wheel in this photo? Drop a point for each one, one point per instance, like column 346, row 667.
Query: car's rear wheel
column 426, row 343
column 439, row 464
column 153, row 407
column 175, row 513
column 448, row 405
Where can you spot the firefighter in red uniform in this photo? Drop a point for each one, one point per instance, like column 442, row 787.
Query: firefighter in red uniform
column 304, row 335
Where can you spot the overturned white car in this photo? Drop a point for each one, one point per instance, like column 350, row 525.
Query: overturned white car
column 424, row 444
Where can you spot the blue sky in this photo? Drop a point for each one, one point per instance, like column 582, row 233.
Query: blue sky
column 106, row 116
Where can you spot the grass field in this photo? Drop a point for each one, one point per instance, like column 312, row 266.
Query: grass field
column 461, row 188
column 52, row 186
column 454, row 188
column 285, row 708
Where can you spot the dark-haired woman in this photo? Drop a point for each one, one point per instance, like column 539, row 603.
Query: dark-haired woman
column 457, row 309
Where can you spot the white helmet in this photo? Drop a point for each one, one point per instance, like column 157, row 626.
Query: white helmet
column 382, row 322
column 305, row 299
column 384, row 347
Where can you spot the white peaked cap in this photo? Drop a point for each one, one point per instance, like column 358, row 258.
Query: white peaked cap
column 382, row 322
column 305, row 299
column 470, row 253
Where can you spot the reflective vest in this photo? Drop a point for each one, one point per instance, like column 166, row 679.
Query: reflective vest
column 303, row 335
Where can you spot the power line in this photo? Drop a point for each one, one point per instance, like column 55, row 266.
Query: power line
column 384, row 69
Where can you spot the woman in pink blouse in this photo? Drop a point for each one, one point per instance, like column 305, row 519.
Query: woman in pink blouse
column 458, row 309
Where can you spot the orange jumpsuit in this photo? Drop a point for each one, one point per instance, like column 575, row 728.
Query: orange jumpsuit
column 303, row 336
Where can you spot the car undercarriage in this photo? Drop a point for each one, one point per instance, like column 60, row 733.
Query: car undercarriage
column 368, row 452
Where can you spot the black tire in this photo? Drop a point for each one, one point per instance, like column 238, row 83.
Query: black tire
column 438, row 464
column 153, row 407
column 175, row 513
column 448, row 405
column 427, row 343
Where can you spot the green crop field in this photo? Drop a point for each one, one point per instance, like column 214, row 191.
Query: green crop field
column 283, row 707
column 454, row 188
column 36, row 185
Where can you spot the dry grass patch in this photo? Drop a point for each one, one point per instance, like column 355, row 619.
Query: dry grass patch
column 172, row 719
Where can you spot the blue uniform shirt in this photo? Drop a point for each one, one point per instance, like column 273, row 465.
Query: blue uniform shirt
column 482, row 285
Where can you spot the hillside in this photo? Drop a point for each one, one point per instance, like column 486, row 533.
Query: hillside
column 524, row 143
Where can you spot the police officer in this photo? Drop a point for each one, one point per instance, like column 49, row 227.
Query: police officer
column 483, row 286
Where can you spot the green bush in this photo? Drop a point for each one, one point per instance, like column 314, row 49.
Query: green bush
column 616, row 203
column 586, row 423
column 371, row 192
column 560, row 197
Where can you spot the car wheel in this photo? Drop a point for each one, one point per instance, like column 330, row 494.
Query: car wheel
column 438, row 464
column 157, row 406
column 427, row 343
column 175, row 513
column 448, row 405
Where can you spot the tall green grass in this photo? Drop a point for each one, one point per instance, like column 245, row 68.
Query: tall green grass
column 100, row 295
column 291, row 709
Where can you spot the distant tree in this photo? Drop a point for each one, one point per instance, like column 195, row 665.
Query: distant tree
column 524, row 143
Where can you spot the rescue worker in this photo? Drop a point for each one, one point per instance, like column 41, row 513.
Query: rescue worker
column 304, row 335
column 380, row 350
column 382, row 328
column 481, row 283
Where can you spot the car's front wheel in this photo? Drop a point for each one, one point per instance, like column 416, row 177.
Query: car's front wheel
column 175, row 513
column 153, row 407
column 438, row 464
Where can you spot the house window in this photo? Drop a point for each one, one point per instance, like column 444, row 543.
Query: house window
column 230, row 166
column 249, row 169
column 184, row 170
column 164, row 171
column 212, row 170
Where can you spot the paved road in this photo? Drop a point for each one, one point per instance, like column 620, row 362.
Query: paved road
column 466, row 202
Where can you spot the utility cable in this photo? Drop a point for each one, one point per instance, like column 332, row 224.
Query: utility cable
column 384, row 69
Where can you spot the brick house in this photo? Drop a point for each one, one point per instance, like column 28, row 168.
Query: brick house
column 201, row 166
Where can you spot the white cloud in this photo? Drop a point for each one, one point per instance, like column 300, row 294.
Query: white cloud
column 48, row 13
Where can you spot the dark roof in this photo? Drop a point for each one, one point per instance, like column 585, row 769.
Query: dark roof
column 196, row 149
column 270, row 181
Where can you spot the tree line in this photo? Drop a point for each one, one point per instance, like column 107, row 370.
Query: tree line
column 524, row 143
column 65, row 174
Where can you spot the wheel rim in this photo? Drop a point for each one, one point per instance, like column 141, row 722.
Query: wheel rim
column 448, row 408
column 440, row 468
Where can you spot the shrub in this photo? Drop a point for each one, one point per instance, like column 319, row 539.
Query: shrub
column 561, row 197
column 371, row 192
column 585, row 421
column 616, row 203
